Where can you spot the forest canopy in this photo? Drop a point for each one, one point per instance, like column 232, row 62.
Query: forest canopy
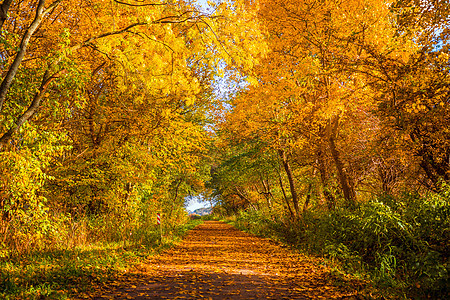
column 111, row 111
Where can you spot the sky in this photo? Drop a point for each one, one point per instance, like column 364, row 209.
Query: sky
column 194, row 204
column 203, row 3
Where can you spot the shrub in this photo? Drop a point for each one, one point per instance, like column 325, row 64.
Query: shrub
column 402, row 242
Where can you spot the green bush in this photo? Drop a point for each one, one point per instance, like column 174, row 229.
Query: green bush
column 401, row 242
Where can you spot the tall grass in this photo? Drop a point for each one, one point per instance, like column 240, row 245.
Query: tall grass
column 72, row 255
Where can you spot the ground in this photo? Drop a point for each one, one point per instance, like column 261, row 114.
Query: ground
column 217, row 261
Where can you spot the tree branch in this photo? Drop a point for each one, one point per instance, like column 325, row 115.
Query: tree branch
column 143, row 4
column 31, row 109
column 12, row 71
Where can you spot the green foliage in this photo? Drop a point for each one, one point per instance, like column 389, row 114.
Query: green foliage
column 401, row 242
column 24, row 215
column 258, row 222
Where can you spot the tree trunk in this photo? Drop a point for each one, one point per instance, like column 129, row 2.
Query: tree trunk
column 4, row 7
column 287, row 168
column 308, row 198
column 285, row 197
column 12, row 71
column 241, row 195
column 329, row 197
column 266, row 193
column 347, row 188
column 128, row 191
column 30, row 111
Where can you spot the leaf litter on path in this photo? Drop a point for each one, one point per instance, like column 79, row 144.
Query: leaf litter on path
column 217, row 261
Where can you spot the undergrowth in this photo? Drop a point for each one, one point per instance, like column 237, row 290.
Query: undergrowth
column 60, row 273
column 401, row 244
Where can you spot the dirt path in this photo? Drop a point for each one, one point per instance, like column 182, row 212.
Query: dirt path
column 216, row 261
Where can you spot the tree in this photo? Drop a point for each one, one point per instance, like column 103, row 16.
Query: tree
column 319, row 88
column 107, row 107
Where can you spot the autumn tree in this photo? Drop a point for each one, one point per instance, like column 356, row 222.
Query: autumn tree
column 320, row 91
column 105, row 110
column 413, row 101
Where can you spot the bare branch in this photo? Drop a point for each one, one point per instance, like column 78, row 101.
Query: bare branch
column 140, row 4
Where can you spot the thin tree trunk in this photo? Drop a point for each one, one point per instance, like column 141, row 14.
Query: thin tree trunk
column 176, row 190
column 12, row 71
column 128, row 191
column 30, row 111
column 285, row 197
column 4, row 8
column 243, row 197
column 347, row 188
column 329, row 198
column 267, row 194
column 287, row 168
column 308, row 198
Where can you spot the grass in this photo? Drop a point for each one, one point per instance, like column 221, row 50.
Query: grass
column 59, row 274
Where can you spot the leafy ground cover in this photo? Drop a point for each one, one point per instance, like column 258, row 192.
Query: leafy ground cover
column 217, row 261
column 61, row 274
